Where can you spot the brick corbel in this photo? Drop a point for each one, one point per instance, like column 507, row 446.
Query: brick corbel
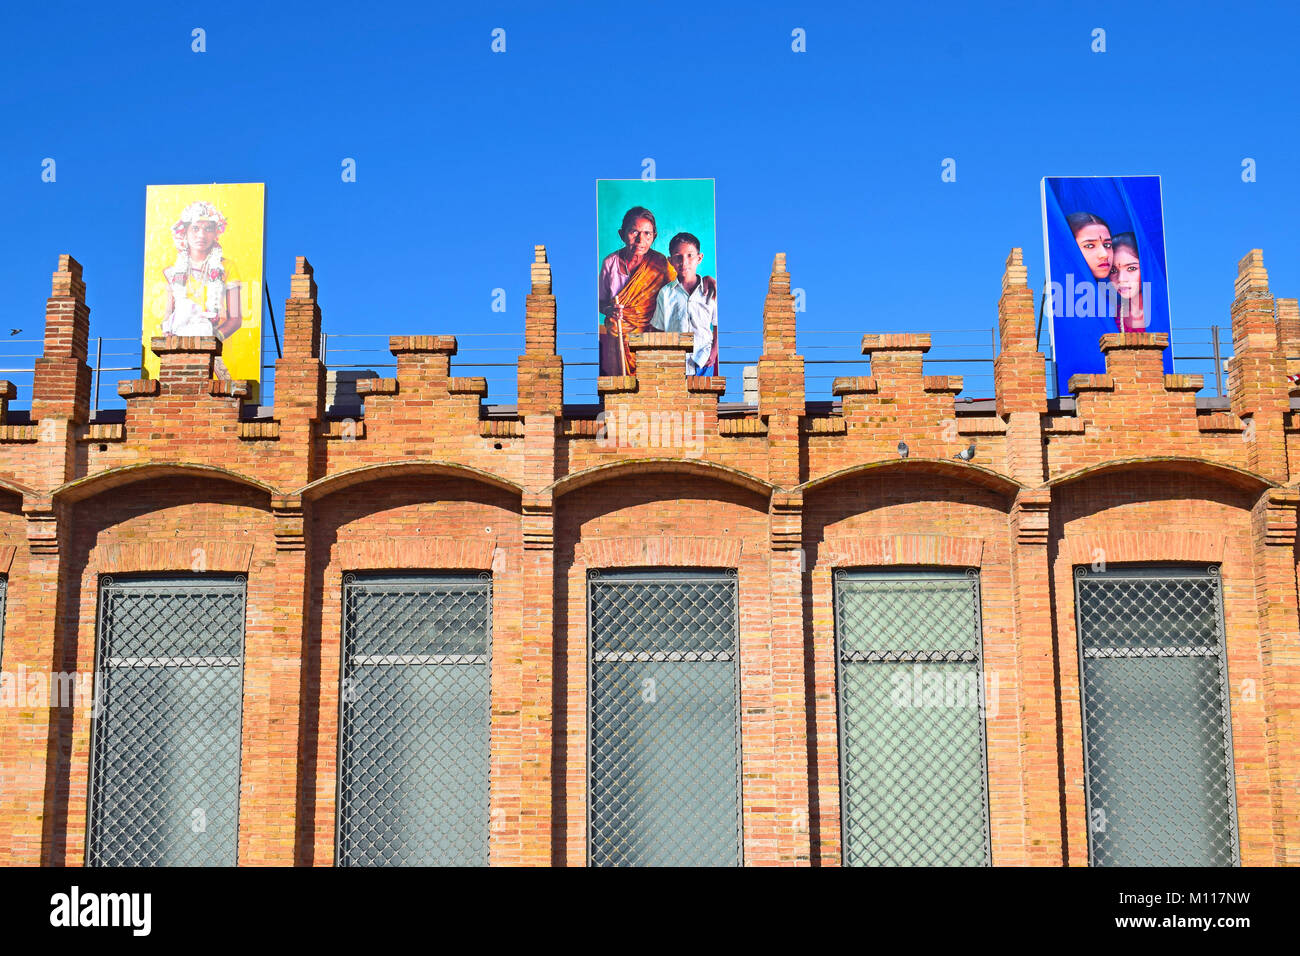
column 175, row 554
column 538, row 522
column 786, row 516
column 290, row 519
column 1031, row 516
column 1276, row 517
column 659, row 551
column 851, row 550
column 423, row 553
column 42, row 526
column 7, row 552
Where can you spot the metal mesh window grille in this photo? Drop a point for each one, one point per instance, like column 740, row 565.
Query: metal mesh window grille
column 1157, row 734
column 664, row 787
column 166, row 730
column 415, row 712
column 913, row 777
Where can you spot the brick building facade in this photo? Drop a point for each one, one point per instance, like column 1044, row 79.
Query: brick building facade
column 1131, row 471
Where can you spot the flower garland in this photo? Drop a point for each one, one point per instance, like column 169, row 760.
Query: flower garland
column 210, row 271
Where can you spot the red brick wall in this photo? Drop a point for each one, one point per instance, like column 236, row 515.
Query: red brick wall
column 1136, row 471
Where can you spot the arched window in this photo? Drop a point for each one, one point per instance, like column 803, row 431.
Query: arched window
column 664, row 718
column 167, row 713
column 912, row 706
column 414, row 720
column 1157, row 734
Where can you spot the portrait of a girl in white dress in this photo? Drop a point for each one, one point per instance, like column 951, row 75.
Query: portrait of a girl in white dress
column 203, row 286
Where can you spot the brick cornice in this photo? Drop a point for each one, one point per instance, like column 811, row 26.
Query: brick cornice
column 852, row 550
column 380, row 554
column 176, row 554
column 1121, row 546
column 659, row 550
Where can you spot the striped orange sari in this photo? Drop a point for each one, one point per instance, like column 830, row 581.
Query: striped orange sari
column 638, row 299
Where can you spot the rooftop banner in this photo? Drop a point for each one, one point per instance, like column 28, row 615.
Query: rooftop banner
column 1104, row 246
column 203, row 271
column 657, row 268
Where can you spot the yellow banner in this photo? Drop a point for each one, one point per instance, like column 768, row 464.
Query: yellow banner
column 203, row 271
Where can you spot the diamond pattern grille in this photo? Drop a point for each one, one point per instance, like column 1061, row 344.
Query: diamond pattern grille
column 1157, row 732
column 413, row 787
column 911, row 698
column 664, row 721
column 4, row 590
column 166, row 733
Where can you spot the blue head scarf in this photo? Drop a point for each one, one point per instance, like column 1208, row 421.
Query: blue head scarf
column 1084, row 307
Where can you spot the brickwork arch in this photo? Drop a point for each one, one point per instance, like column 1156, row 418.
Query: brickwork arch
column 662, row 466
column 15, row 488
column 960, row 472
column 401, row 469
column 98, row 484
column 1193, row 467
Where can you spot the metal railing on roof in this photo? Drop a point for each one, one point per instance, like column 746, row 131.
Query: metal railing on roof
column 828, row 354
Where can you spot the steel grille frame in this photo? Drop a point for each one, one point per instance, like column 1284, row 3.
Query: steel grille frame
column 167, row 722
column 414, row 720
column 1153, row 656
column 665, row 789
column 894, row 810
column 4, row 594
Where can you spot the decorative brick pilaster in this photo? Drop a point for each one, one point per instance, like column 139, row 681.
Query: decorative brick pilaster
column 1036, row 678
column 524, row 703
column 781, row 379
column 36, row 742
column 791, row 729
column 61, row 386
column 300, row 377
column 541, row 371
column 1257, row 383
column 1019, row 375
column 271, row 788
column 1275, row 521
column 523, row 691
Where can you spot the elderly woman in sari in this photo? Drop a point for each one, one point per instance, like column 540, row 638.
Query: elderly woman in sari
column 629, row 283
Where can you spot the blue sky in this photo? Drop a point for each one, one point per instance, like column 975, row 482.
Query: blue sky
column 466, row 158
